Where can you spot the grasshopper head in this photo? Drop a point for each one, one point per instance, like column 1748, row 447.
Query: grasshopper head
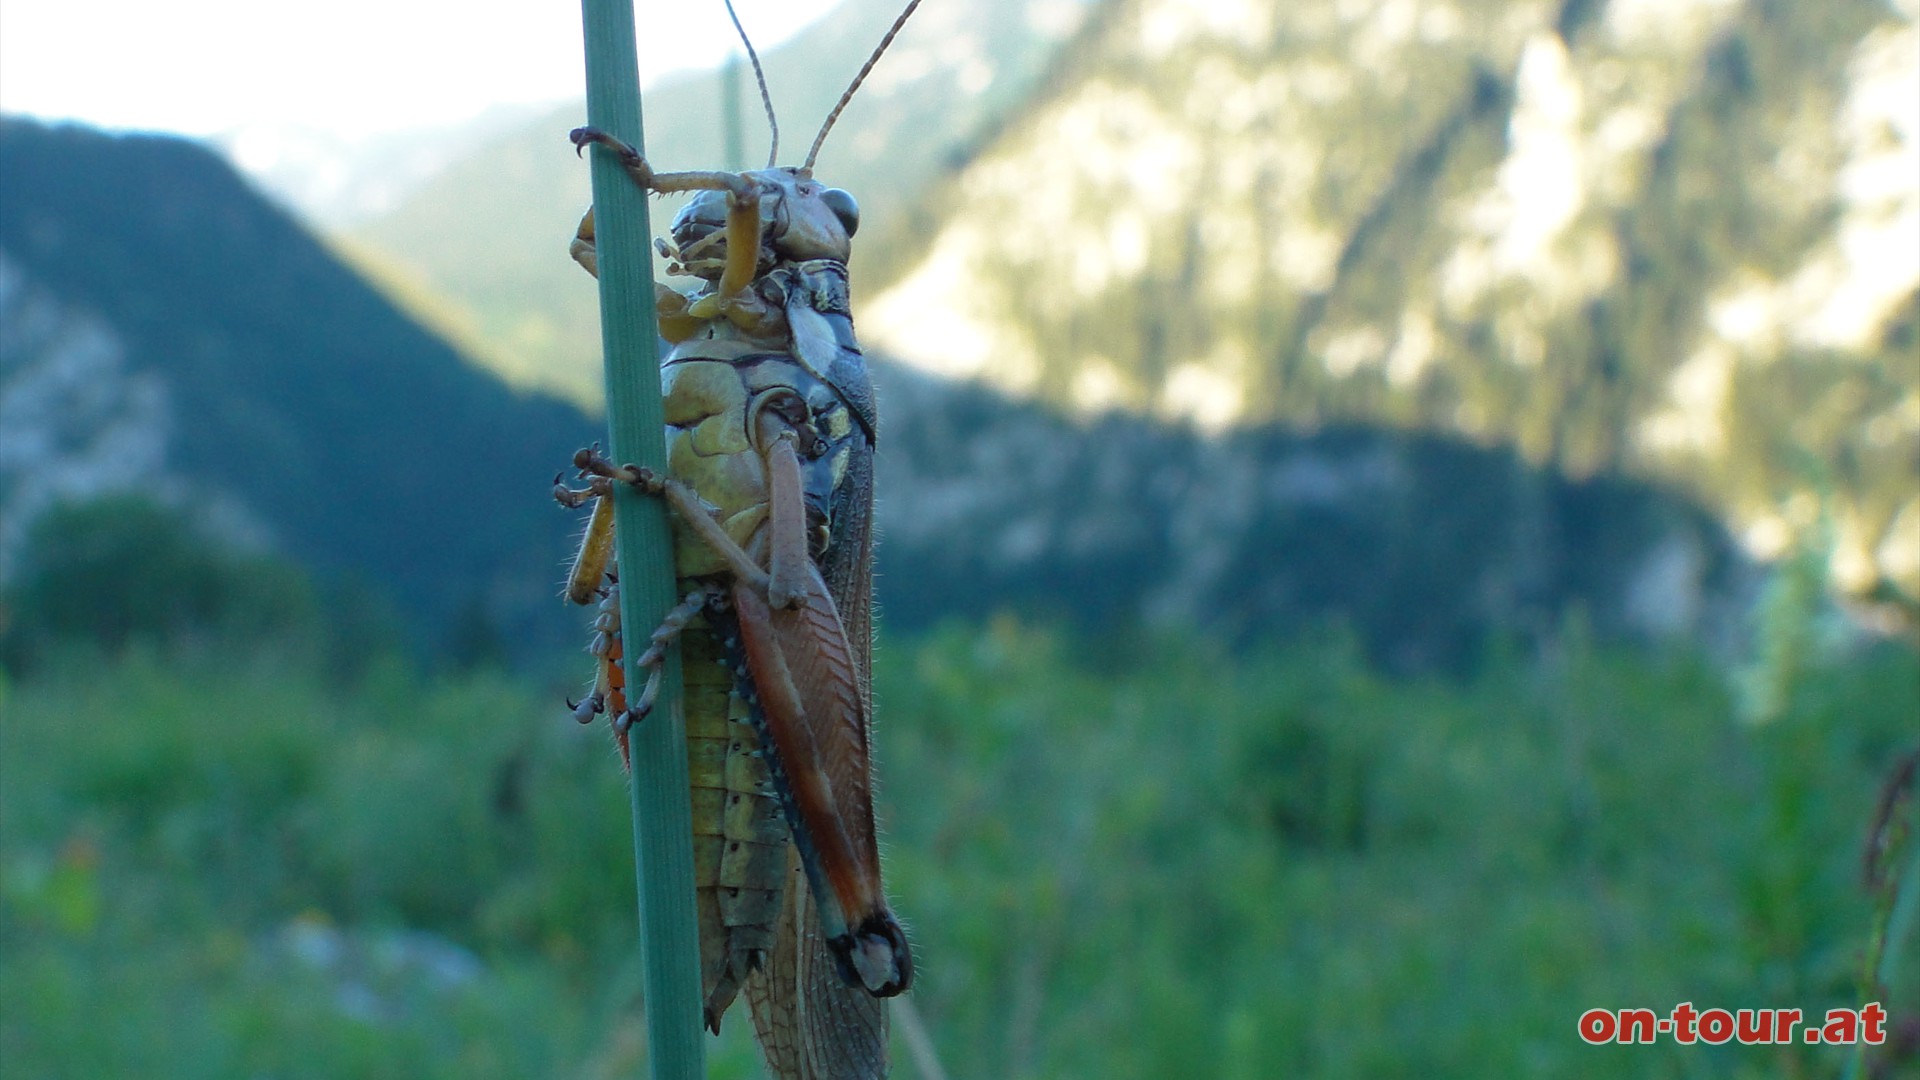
column 800, row 218
column 808, row 219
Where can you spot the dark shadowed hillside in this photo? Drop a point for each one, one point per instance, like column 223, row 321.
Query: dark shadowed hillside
column 167, row 330
column 1672, row 240
column 1425, row 547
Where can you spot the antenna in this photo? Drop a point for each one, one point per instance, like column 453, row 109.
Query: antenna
column 857, row 80
column 759, row 76
column 733, row 154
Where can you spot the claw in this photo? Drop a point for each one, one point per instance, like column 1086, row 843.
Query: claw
column 643, row 705
column 587, row 707
column 630, row 158
column 645, row 479
column 594, row 469
column 582, row 137
column 593, row 464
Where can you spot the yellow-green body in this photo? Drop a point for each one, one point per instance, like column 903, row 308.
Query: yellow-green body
column 765, row 367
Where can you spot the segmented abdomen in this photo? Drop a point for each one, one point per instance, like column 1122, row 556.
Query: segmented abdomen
column 739, row 830
column 739, row 827
column 742, row 862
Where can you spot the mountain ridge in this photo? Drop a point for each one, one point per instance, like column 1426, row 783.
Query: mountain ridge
column 262, row 381
column 1672, row 239
column 489, row 234
column 163, row 329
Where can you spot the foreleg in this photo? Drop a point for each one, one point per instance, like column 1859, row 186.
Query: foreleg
column 743, row 206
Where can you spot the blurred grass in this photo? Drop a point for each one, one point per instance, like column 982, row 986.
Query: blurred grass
column 1163, row 861
column 227, row 865
column 241, row 834
column 1292, row 866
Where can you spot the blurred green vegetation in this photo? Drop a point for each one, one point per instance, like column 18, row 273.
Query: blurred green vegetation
column 222, row 854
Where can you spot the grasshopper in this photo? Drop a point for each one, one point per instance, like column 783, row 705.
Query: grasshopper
column 770, row 428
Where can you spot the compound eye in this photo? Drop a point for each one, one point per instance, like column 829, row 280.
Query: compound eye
column 844, row 208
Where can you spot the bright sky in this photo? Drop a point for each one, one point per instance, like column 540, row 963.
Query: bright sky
column 347, row 67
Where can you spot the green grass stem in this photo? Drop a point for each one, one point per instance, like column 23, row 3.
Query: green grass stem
column 629, row 334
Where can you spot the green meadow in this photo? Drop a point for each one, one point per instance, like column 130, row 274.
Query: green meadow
column 286, row 848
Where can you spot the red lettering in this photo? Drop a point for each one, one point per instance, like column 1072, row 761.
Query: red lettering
column 1597, row 1026
column 1636, row 1025
column 1683, row 1017
column 1842, row 1026
column 1874, row 1019
column 1716, row 1026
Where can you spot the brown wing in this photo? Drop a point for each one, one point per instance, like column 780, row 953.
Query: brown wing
column 811, row 1024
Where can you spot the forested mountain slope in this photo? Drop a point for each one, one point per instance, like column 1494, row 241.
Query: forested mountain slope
column 1675, row 239
column 164, row 330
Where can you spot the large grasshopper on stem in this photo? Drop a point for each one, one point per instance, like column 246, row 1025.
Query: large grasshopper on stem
column 770, row 427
